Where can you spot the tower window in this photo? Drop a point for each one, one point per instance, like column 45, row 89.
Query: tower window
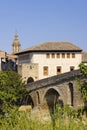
column 53, row 55
column 63, row 55
column 68, row 55
column 73, row 55
column 58, row 55
column 47, row 55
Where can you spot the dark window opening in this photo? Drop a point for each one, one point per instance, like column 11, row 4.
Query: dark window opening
column 58, row 70
column 71, row 68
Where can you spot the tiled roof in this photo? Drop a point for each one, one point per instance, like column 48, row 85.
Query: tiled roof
column 53, row 46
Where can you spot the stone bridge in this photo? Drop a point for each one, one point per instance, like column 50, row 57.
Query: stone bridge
column 61, row 89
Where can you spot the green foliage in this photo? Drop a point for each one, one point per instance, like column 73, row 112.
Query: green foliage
column 12, row 90
column 83, row 88
column 83, row 69
column 22, row 121
column 61, row 112
column 67, row 118
column 82, row 84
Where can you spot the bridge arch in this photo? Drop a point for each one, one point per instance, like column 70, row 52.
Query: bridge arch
column 52, row 98
column 28, row 100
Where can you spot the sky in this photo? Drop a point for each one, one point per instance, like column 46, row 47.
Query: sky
column 39, row 21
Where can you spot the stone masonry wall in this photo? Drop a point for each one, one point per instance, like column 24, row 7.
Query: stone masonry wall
column 28, row 70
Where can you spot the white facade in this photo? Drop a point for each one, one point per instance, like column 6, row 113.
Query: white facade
column 40, row 58
column 53, row 63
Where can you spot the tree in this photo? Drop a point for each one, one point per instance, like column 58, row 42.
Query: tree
column 12, row 89
column 83, row 83
column 83, row 69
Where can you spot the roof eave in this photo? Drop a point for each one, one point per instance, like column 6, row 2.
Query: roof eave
column 29, row 51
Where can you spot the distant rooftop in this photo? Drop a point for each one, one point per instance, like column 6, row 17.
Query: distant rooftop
column 4, row 54
column 52, row 46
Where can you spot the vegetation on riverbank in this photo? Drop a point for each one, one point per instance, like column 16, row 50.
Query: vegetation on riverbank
column 63, row 119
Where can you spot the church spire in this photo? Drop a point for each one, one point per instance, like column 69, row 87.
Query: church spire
column 16, row 44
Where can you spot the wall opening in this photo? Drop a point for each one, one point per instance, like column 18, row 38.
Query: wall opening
column 71, row 92
column 52, row 99
column 38, row 97
column 30, row 80
column 27, row 100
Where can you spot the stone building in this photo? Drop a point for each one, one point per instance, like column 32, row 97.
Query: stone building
column 48, row 59
column 8, row 61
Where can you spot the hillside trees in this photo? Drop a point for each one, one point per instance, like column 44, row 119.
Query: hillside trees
column 12, row 90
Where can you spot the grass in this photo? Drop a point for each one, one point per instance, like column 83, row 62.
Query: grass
column 61, row 120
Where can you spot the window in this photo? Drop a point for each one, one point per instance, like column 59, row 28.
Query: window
column 58, row 70
column 58, row 55
column 72, row 68
column 45, row 70
column 47, row 55
column 53, row 55
column 68, row 55
column 73, row 55
column 63, row 55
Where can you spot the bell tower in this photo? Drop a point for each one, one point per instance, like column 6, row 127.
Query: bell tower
column 16, row 44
